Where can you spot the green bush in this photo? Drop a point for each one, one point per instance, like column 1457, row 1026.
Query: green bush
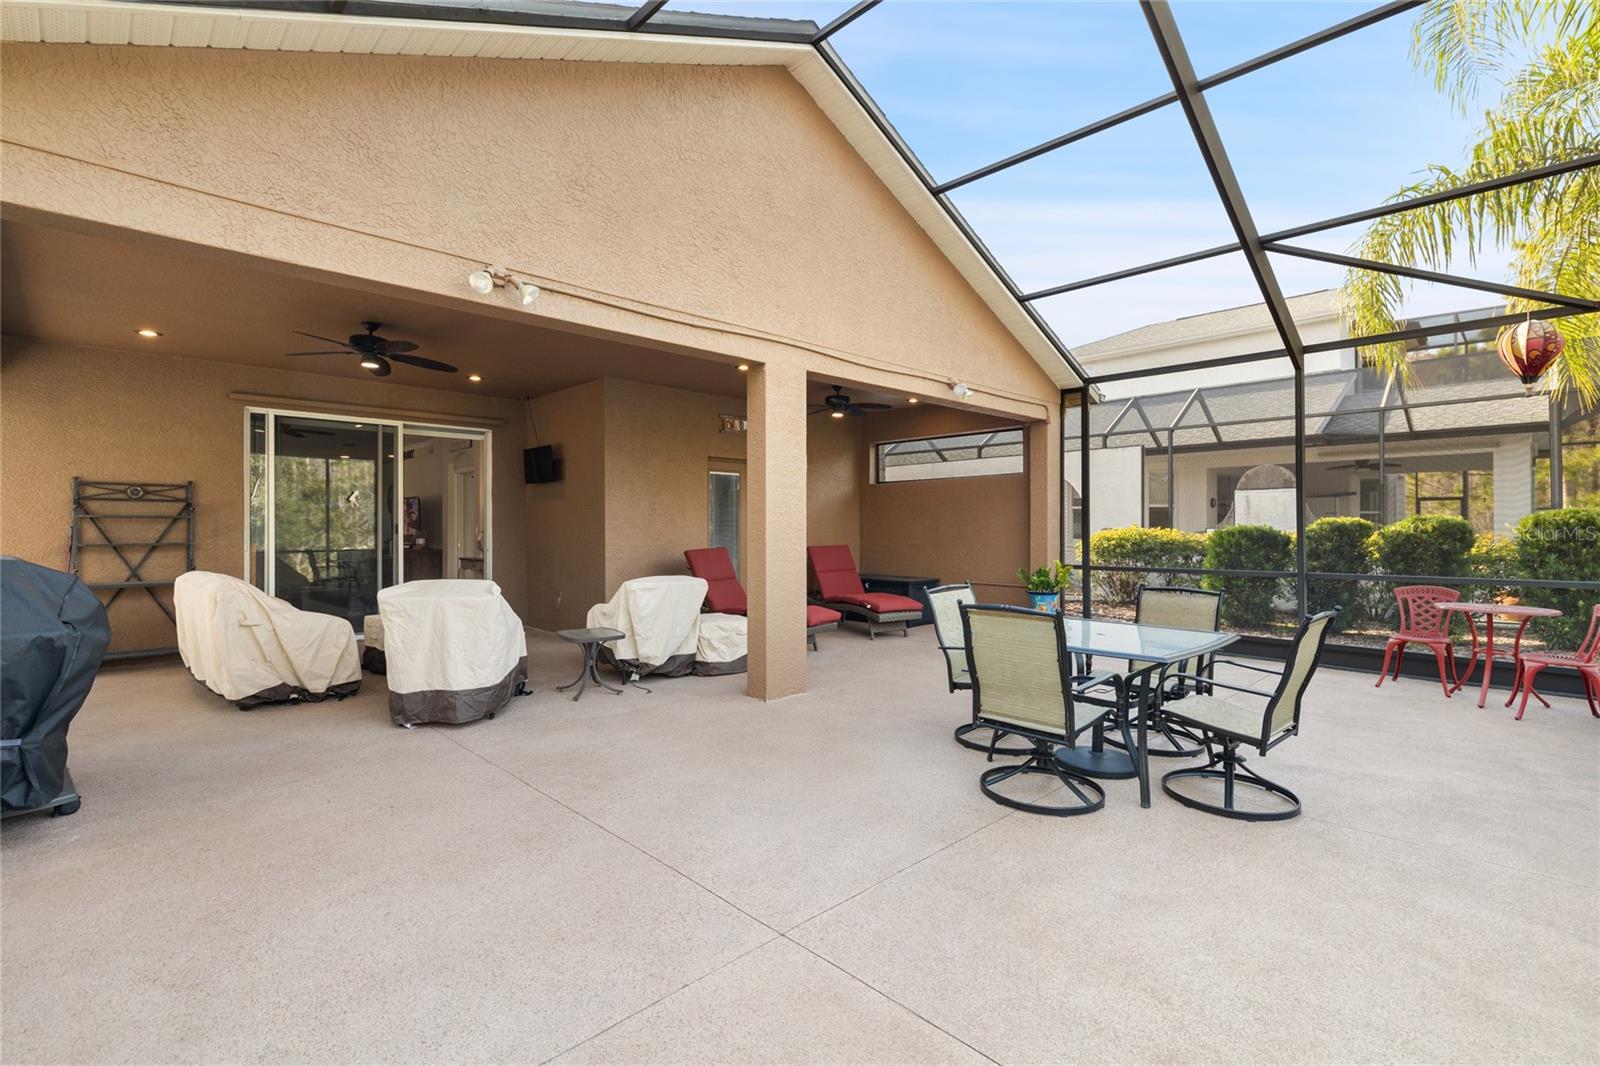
column 1493, row 556
column 1247, row 601
column 1339, row 546
column 1561, row 545
column 1424, row 545
column 1141, row 546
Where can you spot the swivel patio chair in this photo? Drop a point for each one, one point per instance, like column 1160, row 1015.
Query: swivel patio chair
column 1586, row 661
column 725, row 595
column 839, row 588
column 1224, row 727
column 1422, row 622
column 946, row 601
column 1176, row 607
column 1023, row 685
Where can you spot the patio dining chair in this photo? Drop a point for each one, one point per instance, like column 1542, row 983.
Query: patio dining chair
column 946, row 601
column 1176, row 607
column 1224, row 727
column 1422, row 622
column 1586, row 661
column 1023, row 685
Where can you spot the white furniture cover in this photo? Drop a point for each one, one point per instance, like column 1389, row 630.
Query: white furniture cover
column 253, row 648
column 455, row 651
column 660, row 617
column 722, row 644
column 372, row 660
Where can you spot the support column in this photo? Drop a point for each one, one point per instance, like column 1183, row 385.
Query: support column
column 1044, row 490
column 775, row 542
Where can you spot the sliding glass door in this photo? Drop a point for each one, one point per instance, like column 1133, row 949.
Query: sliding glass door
column 331, row 519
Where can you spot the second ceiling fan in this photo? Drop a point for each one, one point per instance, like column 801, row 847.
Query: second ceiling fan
column 376, row 352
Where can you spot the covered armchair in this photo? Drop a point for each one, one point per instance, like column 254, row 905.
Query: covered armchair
column 1224, row 727
column 1023, row 684
column 725, row 595
column 839, row 588
column 455, row 651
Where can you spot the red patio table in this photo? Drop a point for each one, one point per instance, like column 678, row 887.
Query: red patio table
column 1522, row 613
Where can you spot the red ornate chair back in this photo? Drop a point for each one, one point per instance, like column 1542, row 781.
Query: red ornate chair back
column 1589, row 650
column 1420, row 615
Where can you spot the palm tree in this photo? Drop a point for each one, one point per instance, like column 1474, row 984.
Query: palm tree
column 1543, row 56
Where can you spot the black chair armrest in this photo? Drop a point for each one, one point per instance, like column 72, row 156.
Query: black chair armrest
column 1246, row 666
column 1213, row 683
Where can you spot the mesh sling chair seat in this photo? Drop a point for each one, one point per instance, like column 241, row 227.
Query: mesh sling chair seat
column 1223, row 727
column 725, row 595
column 839, row 588
column 1023, row 685
column 1422, row 622
column 1176, row 607
column 946, row 601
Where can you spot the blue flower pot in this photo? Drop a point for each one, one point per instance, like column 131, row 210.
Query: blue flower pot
column 1045, row 601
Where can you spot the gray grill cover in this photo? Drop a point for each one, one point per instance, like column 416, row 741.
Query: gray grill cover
column 53, row 634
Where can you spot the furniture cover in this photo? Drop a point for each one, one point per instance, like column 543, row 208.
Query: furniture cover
column 53, row 634
column 660, row 616
column 721, row 645
column 372, row 658
column 455, row 650
column 251, row 648
column 714, row 566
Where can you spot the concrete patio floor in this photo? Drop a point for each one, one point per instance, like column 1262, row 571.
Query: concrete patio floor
column 691, row 876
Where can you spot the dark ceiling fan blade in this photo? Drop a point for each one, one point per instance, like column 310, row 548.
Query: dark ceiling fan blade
column 325, row 340
column 869, row 407
column 397, row 347
column 339, row 351
column 382, row 370
column 421, row 361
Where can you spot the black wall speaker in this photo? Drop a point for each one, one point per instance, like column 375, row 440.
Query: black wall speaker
column 540, row 465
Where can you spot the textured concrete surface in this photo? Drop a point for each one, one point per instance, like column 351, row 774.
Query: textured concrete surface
column 693, row 876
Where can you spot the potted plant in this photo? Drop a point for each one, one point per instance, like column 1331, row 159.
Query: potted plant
column 1045, row 584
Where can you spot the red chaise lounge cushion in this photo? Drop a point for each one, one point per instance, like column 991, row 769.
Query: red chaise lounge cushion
column 714, row 566
column 838, row 581
column 820, row 616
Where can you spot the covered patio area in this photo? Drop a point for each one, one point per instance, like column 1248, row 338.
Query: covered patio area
column 692, row 876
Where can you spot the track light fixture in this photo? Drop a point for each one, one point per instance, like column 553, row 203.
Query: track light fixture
column 486, row 280
column 960, row 389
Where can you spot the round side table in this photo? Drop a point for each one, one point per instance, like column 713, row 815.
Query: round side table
column 590, row 641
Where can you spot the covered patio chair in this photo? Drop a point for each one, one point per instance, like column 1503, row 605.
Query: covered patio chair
column 725, row 595
column 1421, row 622
column 1022, row 681
column 454, row 650
column 839, row 588
column 1224, row 727
column 1586, row 660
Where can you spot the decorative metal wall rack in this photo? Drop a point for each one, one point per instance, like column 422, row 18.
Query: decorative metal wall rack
column 118, row 517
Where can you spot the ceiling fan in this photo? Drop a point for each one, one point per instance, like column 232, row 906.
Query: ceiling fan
column 1360, row 464
column 376, row 352
column 839, row 405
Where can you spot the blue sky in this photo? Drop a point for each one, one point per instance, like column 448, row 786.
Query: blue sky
column 1336, row 129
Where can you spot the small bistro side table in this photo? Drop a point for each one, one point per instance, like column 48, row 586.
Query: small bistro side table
column 589, row 640
column 1521, row 613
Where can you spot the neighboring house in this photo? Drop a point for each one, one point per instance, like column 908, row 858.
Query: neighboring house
column 1461, row 438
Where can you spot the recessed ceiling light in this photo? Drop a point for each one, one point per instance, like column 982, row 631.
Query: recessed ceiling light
column 744, row 368
column 474, row 377
column 344, row 457
column 911, row 399
column 148, row 332
column 360, row 424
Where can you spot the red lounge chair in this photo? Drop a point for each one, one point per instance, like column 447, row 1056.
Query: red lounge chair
column 1584, row 660
column 839, row 587
column 1421, row 622
column 724, row 594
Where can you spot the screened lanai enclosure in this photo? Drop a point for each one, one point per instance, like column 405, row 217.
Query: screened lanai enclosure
column 1175, row 200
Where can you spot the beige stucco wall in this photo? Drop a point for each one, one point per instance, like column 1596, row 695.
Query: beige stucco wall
column 130, row 416
column 957, row 529
column 567, row 518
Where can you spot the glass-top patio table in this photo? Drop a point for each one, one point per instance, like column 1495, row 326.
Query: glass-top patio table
column 1152, row 648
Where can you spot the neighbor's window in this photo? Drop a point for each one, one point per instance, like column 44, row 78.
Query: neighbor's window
column 995, row 451
column 1158, row 509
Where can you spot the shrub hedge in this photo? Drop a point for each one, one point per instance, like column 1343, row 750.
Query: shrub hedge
column 1247, row 601
column 1424, row 544
column 1561, row 545
column 1141, row 546
column 1339, row 546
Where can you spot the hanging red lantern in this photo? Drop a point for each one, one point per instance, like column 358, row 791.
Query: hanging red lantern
column 1528, row 348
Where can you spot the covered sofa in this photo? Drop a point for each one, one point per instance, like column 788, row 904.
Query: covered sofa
column 53, row 634
column 252, row 648
column 454, row 651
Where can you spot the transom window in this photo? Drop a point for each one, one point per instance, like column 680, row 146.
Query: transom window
column 983, row 454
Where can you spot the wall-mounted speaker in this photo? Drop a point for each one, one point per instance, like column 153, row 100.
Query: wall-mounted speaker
column 540, row 465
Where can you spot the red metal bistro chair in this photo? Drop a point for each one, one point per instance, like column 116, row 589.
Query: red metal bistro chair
column 1421, row 622
column 1586, row 660
column 725, row 595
